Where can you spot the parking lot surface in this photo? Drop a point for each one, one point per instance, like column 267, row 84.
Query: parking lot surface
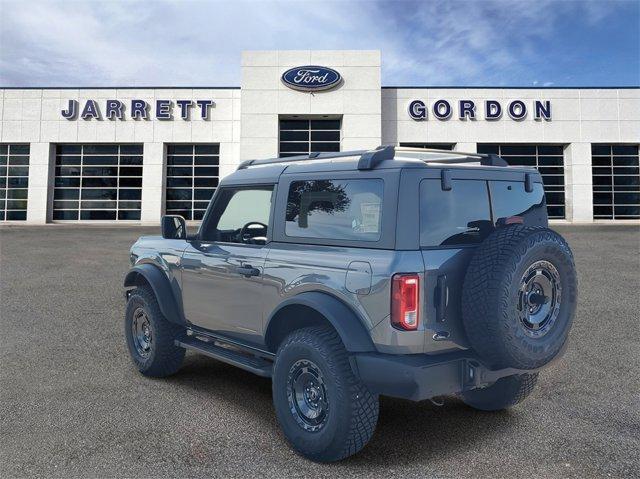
column 72, row 405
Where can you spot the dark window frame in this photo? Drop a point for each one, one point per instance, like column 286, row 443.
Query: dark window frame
column 602, row 153
column 127, row 208
column 189, row 160
column 20, row 153
column 305, row 147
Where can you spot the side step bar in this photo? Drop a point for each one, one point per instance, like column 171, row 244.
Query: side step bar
column 253, row 364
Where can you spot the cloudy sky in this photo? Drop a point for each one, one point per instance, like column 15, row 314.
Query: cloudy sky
column 187, row 43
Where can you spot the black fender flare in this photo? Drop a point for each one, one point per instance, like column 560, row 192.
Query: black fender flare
column 161, row 288
column 346, row 322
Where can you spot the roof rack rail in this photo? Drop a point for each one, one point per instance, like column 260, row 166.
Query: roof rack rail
column 289, row 159
column 486, row 159
column 370, row 159
column 373, row 158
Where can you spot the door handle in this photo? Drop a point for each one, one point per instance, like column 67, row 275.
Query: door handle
column 441, row 298
column 247, row 270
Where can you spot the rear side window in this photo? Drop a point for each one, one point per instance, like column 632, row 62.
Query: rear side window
column 459, row 216
column 335, row 209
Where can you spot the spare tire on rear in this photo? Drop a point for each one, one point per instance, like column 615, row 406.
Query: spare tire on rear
column 519, row 297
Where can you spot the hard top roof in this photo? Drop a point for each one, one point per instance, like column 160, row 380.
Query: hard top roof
column 383, row 157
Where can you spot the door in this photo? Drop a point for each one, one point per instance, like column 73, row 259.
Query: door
column 222, row 271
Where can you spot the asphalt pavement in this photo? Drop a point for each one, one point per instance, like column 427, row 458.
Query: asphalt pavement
column 72, row 405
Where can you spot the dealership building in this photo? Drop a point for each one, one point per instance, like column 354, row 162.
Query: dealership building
column 133, row 154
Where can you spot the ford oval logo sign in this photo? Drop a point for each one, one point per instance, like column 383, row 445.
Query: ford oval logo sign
column 311, row 78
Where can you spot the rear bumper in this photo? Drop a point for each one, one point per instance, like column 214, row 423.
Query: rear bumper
column 419, row 376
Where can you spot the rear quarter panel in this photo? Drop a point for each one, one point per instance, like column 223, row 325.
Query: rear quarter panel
column 291, row 269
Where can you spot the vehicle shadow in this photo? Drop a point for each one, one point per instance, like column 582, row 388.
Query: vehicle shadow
column 407, row 431
column 419, row 432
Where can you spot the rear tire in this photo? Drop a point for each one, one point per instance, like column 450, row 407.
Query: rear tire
column 504, row 393
column 325, row 412
column 150, row 336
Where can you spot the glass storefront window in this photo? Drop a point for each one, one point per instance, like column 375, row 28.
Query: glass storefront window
column 98, row 182
column 301, row 137
column 430, row 146
column 14, row 182
column 616, row 181
column 192, row 178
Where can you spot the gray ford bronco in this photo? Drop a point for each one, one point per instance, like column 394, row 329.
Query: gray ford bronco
column 345, row 276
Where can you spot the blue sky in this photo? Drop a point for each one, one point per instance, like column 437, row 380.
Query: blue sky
column 186, row 43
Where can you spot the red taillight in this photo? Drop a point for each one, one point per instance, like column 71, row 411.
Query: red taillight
column 405, row 290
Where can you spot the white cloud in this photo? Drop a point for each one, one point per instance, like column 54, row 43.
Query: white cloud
column 186, row 43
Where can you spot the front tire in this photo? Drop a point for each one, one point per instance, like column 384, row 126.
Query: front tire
column 504, row 393
column 325, row 412
column 150, row 336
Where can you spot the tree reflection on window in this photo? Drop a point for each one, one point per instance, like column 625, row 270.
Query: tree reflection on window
column 325, row 196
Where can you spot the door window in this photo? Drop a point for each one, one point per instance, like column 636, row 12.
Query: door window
column 240, row 215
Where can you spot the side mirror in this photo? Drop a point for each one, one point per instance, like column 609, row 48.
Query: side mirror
column 174, row 227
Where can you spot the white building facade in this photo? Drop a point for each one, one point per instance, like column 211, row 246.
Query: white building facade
column 134, row 154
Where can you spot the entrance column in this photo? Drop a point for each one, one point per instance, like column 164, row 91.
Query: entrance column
column 466, row 147
column 578, row 183
column 40, row 193
column 153, row 180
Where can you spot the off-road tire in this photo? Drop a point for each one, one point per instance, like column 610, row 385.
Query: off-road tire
column 504, row 393
column 352, row 408
column 491, row 312
column 164, row 357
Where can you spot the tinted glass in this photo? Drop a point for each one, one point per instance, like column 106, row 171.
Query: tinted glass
column 301, row 137
column 14, row 181
column 548, row 159
column 103, row 177
column 190, row 168
column 335, row 209
column 128, row 215
column 430, row 146
column 13, row 215
column 291, row 135
column 459, row 216
column 509, row 198
column 616, row 181
column 325, row 135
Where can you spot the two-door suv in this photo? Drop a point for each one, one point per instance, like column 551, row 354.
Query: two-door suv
column 345, row 276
